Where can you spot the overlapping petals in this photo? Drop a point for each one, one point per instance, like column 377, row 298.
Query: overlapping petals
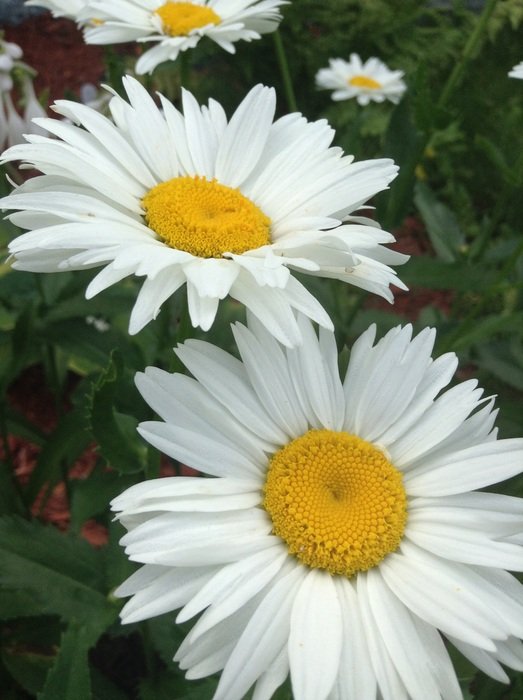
column 207, row 543
column 86, row 209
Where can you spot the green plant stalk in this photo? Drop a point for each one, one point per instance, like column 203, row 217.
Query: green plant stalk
column 285, row 72
column 499, row 210
column 472, row 44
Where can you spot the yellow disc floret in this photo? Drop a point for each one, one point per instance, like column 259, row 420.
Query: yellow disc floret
column 205, row 218
column 336, row 501
column 362, row 81
column 180, row 18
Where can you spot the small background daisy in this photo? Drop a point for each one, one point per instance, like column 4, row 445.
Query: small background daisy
column 369, row 81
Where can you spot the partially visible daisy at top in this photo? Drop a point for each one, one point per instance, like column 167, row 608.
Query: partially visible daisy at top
column 60, row 8
column 368, row 82
column 517, row 71
column 228, row 207
column 176, row 26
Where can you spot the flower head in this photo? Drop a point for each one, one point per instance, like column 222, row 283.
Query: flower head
column 227, row 207
column 61, row 8
column 517, row 71
column 342, row 532
column 368, row 82
column 178, row 25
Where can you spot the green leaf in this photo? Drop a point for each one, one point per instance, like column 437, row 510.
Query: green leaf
column 67, row 442
column 171, row 684
column 431, row 273
column 92, row 496
column 18, row 603
column 498, row 360
column 63, row 574
column 442, row 226
column 115, row 432
column 104, row 689
column 405, row 144
column 29, row 669
column 479, row 330
column 69, row 679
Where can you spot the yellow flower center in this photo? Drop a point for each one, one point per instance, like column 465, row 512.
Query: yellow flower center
column 180, row 18
column 336, row 501
column 205, row 218
column 362, row 81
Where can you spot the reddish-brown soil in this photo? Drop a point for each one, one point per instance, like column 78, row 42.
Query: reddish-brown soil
column 411, row 239
column 55, row 48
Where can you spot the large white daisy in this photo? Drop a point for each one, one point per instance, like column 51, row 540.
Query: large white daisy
column 178, row 25
column 342, row 536
column 369, row 81
column 227, row 207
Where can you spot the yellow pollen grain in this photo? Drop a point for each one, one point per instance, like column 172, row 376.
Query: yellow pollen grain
column 180, row 18
column 362, row 81
column 336, row 501
column 205, row 218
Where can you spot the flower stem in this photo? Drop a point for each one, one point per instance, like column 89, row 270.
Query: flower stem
column 469, row 51
column 285, row 72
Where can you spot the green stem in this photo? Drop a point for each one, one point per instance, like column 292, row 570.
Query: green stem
column 472, row 44
column 285, row 72
column 499, row 210
column 184, row 70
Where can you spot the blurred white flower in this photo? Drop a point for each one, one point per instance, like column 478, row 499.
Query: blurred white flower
column 33, row 109
column 60, row 8
column 517, row 71
column 13, row 125
column 9, row 54
column 368, row 82
column 176, row 26
column 16, row 126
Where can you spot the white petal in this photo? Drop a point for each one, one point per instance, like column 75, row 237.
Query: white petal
column 245, row 137
column 316, row 637
column 262, row 639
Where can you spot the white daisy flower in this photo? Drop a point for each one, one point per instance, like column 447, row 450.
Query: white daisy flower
column 227, row 207
column 368, row 82
column 517, row 71
column 175, row 25
column 342, row 532
column 60, row 8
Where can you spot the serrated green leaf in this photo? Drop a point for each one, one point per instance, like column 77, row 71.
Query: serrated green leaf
column 92, row 496
column 114, row 432
column 69, row 678
column 442, row 226
column 63, row 573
